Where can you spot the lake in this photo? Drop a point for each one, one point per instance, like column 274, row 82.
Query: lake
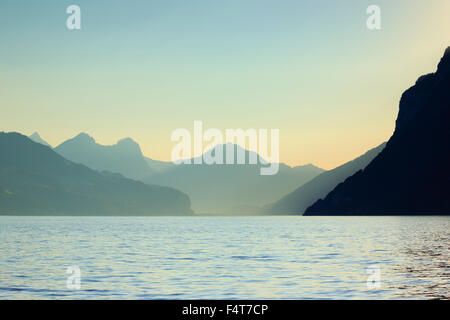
column 225, row 257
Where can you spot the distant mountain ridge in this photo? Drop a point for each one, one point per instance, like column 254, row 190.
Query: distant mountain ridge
column 125, row 157
column 411, row 176
column 35, row 180
column 232, row 189
column 299, row 200
column 158, row 166
column 37, row 138
column 213, row 189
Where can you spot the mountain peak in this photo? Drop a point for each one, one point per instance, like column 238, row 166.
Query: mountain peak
column 37, row 138
column 35, row 135
column 84, row 137
column 129, row 145
column 126, row 141
column 309, row 166
column 443, row 69
column 235, row 149
column 124, row 157
column 447, row 52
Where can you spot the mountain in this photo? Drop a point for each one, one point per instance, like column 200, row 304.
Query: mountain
column 35, row 180
column 299, row 200
column 37, row 138
column 411, row 176
column 159, row 166
column 125, row 157
column 232, row 189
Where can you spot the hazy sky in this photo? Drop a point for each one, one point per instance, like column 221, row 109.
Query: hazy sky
column 141, row 69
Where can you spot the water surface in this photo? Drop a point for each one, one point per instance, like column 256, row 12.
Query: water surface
column 225, row 257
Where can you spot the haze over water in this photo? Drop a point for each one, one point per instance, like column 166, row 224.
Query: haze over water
column 224, row 257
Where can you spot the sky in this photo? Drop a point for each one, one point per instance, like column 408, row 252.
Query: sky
column 142, row 69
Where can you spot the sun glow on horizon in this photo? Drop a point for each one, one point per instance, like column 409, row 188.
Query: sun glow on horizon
column 308, row 68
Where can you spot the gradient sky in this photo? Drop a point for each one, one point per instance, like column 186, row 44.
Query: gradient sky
column 141, row 69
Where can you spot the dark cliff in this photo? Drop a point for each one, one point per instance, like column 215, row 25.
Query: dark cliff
column 411, row 176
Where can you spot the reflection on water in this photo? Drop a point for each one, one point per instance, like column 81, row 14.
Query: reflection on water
column 428, row 252
column 225, row 257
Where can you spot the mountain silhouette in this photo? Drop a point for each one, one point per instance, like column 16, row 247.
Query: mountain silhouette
column 37, row 138
column 299, row 200
column 232, row 189
column 125, row 157
column 35, row 180
column 411, row 176
column 158, row 166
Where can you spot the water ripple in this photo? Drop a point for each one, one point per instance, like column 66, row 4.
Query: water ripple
column 225, row 257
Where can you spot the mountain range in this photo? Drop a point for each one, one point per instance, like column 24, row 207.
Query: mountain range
column 233, row 189
column 37, row 138
column 411, row 176
column 306, row 195
column 213, row 189
column 407, row 175
column 125, row 157
column 35, row 180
